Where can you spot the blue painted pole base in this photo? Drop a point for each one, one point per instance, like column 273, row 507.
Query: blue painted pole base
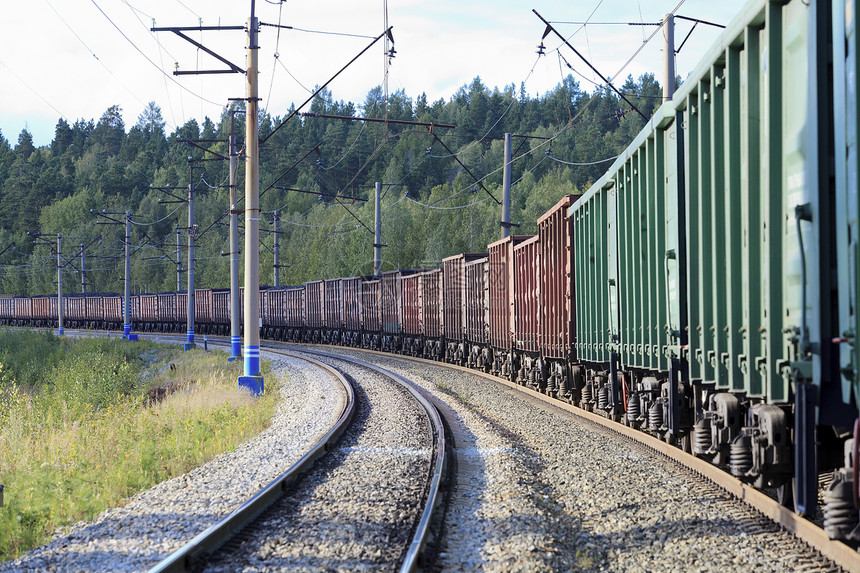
column 188, row 346
column 252, row 383
column 130, row 337
column 235, row 348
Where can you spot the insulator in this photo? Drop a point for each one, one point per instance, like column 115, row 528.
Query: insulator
column 655, row 416
column 740, row 456
column 633, row 408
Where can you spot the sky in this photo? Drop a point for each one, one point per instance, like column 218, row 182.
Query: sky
column 76, row 58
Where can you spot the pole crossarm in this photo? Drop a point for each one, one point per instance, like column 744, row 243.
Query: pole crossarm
column 550, row 28
column 234, row 69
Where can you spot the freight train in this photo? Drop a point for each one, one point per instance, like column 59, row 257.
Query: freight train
column 703, row 290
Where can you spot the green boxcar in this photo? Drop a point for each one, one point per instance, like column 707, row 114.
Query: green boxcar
column 717, row 259
column 845, row 73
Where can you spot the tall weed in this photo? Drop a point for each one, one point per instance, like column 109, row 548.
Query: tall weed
column 93, row 432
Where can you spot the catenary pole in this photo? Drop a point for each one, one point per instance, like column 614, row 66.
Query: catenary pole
column 252, row 378
column 235, row 328
column 60, row 284
column 178, row 259
column 377, row 235
column 668, row 57
column 277, row 250
column 83, row 272
column 189, row 342
column 126, row 300
column 506, row 189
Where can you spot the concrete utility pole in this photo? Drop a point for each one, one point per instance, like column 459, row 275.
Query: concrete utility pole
column 668, row 57
column 277, row 250
column 83, row 272
column 235, row 327
column 60, row 284
column 178, row 259
column 126, row 301
column 189, row 342
column 506, row 187
column 377, row 235
column 252, row 378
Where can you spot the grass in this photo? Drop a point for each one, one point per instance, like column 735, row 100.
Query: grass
column 102, row 420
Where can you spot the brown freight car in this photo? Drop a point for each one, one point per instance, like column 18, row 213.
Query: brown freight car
column 44, row 309
column 94, row 312
column 167, row 321
column 314, row 310
column 557, row 321
column 148, row 318
column 351, row 289
column 454, row 280
column 203, row 317
column 283, row 317
column 526, row 316
column 332, row 311
column 23, row 311
column 413, row 330
column 392, row 308
column 476, row 314
column 221, row 311
column 371, row 313
column 181, row 312
column 74, row 311
column 7, row 310
column 112, row 312
column 431, row 313
column 501, row 302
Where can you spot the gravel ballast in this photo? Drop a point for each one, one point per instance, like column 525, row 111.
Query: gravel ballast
column 538, row 490
column 160, row 520
column 357, row 508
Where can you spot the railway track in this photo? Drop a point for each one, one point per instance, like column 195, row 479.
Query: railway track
column 474, row 533
column 156, row 522
column 718, row 485
column 367, row 504
column 203, row 546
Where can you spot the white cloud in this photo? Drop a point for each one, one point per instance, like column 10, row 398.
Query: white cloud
column 440, row 45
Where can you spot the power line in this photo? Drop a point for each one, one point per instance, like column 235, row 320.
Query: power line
column 118, row 29
column 295, row 111
column 28, row 86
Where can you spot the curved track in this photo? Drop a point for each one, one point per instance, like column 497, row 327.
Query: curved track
column 209, row 541
column 841, row 554
column 203, row 550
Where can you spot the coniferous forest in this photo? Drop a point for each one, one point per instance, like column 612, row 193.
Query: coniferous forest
column 432, row 204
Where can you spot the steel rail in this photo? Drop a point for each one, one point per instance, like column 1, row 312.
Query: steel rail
column 419, row 539
column 840, row 553
column 208, row 541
